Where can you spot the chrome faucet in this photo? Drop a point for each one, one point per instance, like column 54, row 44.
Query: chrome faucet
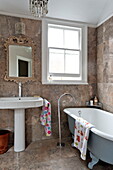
column 20, row 90
column 60, row 144
column 80, row 113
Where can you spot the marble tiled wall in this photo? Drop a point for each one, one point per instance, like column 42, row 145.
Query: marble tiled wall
column 105, row 64
column 82, row 93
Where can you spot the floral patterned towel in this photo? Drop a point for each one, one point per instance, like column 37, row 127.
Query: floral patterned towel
column 81, row 135
column 45, row 117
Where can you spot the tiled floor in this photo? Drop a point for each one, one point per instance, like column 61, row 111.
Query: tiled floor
column 47, row 156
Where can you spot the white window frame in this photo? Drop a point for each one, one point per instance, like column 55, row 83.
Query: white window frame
column 45, row 53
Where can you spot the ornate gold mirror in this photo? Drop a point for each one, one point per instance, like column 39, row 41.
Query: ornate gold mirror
column 20, row 52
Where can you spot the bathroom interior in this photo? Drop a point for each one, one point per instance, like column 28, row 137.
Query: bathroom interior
column 19, row 27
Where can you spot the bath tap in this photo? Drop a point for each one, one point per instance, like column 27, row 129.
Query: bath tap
column 64, row 95
column 80, row 113
column 60, row 144
column 20, row 90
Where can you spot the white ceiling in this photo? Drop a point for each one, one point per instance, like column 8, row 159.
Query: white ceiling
column 89, row 11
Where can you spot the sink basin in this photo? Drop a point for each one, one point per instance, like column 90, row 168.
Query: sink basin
column 23, row 102
column 19, row 105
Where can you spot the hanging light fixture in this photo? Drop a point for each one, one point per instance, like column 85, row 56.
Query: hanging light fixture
column 38, row 8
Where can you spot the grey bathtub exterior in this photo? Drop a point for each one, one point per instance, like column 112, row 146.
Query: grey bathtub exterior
column 100, row 148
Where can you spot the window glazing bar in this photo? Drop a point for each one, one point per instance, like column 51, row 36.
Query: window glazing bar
column 56, row 48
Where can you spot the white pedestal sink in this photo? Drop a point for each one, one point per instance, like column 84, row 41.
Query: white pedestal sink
column 19, row 106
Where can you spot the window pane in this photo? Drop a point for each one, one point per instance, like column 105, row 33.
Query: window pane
column 55, row 37
column 56, row 61
column 72, row 62
column 71, row 39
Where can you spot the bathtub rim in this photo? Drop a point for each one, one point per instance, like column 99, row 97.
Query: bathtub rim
column 93, row 129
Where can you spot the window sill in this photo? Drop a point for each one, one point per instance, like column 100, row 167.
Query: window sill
column 65, row 83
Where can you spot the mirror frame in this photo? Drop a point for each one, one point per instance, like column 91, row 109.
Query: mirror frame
column 22, row 41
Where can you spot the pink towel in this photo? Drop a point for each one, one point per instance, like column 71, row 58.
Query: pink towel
column 81, row 135
column 45, row 117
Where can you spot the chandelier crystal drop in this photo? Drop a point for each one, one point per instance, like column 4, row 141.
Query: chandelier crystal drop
column 38, row 8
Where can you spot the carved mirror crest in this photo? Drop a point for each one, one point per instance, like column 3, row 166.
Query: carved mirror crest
column 20, row 53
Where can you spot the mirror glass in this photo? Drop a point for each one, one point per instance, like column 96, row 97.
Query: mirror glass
column 20, row 61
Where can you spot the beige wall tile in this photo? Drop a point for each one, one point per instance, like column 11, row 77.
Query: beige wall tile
column 82, row 93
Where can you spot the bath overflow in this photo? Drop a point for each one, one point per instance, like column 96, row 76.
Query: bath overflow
column 79, row 113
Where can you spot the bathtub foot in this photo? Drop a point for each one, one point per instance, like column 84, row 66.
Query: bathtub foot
column 93, row 162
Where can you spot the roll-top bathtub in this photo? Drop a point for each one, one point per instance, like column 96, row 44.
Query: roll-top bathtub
column 100, row 142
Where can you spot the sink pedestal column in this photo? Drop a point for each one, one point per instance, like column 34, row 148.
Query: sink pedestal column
column 19, row 130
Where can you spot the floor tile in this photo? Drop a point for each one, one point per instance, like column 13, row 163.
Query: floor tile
column 46, row 155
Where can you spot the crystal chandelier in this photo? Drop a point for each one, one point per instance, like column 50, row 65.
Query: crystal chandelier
column 38, row 8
